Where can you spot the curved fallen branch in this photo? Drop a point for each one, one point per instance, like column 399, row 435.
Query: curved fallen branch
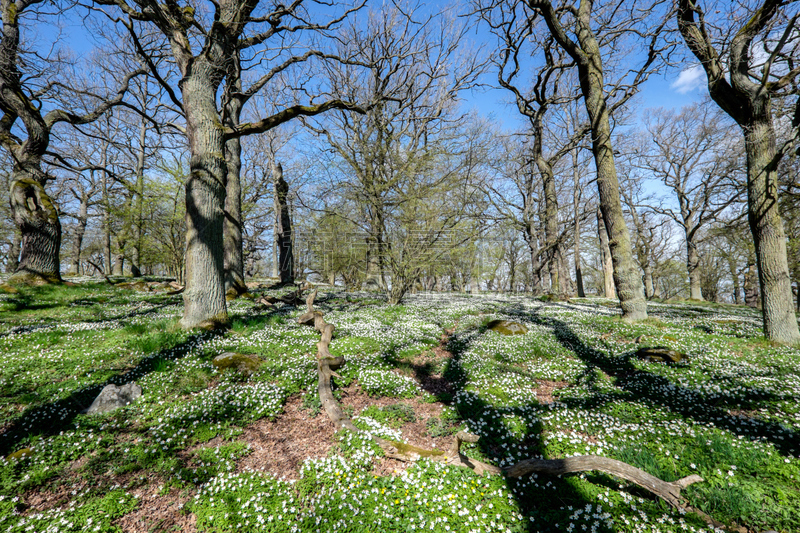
column 669, row 491
column 327, row 365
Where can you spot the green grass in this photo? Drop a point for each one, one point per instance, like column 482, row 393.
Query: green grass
column 729, row 414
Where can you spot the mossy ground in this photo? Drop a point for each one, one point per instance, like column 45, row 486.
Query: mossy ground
column 570, row 385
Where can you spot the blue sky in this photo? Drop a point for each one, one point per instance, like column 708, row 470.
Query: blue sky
column 672, row 89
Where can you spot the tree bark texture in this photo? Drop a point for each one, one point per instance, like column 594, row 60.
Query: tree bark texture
column 40, row 229
column 627, row 281
column 693, row 268
column 550, row 205
column 766, row 225
column 204, row 296
column 233, row 243
column 232, row 228
column 605, row 256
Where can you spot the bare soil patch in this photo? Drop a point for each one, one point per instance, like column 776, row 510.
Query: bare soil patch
column 544, row 389
column 280, row 446
column 158, row 512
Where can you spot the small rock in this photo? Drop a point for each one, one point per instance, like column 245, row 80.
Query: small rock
column 112, row 397
column 20, row 454
column 659, row 353
column 244, row 363
column 507, row 327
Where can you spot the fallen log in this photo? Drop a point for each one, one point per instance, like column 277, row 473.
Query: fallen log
column 328, row 364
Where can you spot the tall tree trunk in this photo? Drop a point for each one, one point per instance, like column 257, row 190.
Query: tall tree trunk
column 233, row 242
column 204, row 295
column 648, row 280
column 748, row 101
column 138, row 203
column 693, row 268
column 576, row 198
column 284, row 225
column 232, row 229
column 589, row 61
column 80, row 231
column 106, row 212
column 780, row 323
column 550, row 211
column 605, row 256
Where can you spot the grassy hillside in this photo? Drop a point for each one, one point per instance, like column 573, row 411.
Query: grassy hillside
column 210, row 450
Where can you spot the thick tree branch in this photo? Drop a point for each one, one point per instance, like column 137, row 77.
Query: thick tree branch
column 289, row 113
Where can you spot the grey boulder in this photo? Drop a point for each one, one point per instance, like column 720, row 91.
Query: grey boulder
column 112, row 397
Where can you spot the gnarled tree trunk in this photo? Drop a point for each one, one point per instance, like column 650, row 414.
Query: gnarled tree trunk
column 40, row 229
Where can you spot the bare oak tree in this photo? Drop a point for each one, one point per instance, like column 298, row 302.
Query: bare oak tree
column 205, row 42
column 33, row 209
column 750, row 64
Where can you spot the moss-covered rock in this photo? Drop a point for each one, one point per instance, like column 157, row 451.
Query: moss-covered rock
column 659, row 353
column 20, row 454
column 244, row 363
column 507, row 327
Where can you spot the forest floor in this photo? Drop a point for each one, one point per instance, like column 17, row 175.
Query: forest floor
column 210, row 450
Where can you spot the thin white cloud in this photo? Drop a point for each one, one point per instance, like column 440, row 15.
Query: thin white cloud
column 689, row 79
